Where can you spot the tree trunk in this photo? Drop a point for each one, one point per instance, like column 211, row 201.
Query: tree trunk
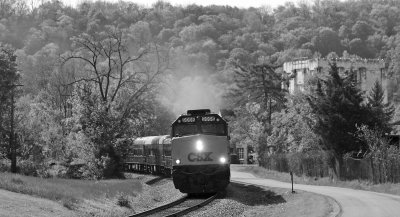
column 12, row 139
column 335, row 166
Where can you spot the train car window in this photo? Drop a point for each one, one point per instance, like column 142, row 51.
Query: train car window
column 214, row 129
column 185, row 129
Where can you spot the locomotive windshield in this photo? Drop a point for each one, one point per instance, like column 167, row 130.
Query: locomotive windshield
column 210, row 125
column 184, row 129
column 214, row 129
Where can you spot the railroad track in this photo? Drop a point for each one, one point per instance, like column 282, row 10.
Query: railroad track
column 179, row 207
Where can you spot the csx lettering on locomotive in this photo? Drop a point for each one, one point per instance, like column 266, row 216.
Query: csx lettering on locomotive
column 202, row 156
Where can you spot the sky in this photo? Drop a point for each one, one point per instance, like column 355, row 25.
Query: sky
column 237, row 3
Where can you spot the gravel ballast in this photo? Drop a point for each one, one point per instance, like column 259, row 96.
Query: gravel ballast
column 238, row 200
column 242, row 200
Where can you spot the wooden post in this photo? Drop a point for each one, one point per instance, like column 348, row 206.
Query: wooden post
column 291, row 176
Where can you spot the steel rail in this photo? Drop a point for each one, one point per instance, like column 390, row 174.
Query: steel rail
column 195, row 207
column 175, row 203
column 160, row 208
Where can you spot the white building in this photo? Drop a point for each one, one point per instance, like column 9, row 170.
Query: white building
column 367, row 71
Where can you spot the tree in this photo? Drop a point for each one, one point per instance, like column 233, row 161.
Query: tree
column 8, row 84
column 382, row 113
column 246, row 130
column 339, row 108
column 111, row 66
column 112, row 86
column 293, row 127
column 362, row 30
column 327, row 41
column 262, row 85
column 359, row 47
column 385, row 17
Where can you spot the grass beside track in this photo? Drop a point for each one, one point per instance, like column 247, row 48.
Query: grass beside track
column 69, row 192
column 389, row 188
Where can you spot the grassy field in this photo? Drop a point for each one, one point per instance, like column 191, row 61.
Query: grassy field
column 390, row 188
column 70, row 192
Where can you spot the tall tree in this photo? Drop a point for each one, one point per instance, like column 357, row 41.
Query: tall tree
column 119, row 69
column 8, row 84
column 114, row 61
column 259, row 84
column 327, row 41
column 339, row 107
column 382, row 113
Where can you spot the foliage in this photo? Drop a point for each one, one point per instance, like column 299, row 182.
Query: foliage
column 92, row 74
column 327, row 41
column 382, row 113
column 245, row 129
column 382, row 157
column 260, row 84
column 123, row 200
column 338, row 106
column 8, row 93
column 293, row 127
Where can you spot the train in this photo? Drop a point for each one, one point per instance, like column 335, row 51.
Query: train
column 195, row 154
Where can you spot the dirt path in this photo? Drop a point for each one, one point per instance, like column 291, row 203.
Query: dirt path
column 354, row 203
column 22, row 205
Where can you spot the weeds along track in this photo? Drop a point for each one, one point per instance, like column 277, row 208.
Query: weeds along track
column 155, row 180
column 179, row 207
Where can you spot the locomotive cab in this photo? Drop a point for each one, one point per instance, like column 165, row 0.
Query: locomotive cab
column 200, row 152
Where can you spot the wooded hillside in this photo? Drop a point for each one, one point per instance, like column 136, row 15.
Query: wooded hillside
column 77, row 83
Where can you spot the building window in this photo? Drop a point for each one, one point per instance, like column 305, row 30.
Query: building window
column 240, row 153
column 300, row 77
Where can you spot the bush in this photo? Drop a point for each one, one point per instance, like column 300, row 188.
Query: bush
column 17, row 181
column 28, row 168
column 122, row 200
column 380, row 164
column 69, row 202
column 57, row 170
column 5, row 165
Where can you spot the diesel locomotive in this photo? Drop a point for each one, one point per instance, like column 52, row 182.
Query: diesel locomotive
column 196, row 154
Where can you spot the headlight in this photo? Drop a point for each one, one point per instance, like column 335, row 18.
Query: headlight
column 177, row 161
column 199, row 145
column 222, row 160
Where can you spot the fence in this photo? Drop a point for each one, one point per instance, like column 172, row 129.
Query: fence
column 375, row 168
column 315, row 163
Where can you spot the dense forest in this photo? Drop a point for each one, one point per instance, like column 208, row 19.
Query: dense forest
column 77, row 83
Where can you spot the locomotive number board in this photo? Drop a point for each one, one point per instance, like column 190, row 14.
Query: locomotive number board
column 199, row 118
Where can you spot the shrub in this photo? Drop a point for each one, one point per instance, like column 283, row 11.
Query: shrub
column 4, row 165
column 17, row 181
column 28, row 168
column 69, row 202
column 57, row 170
column 122, row 200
